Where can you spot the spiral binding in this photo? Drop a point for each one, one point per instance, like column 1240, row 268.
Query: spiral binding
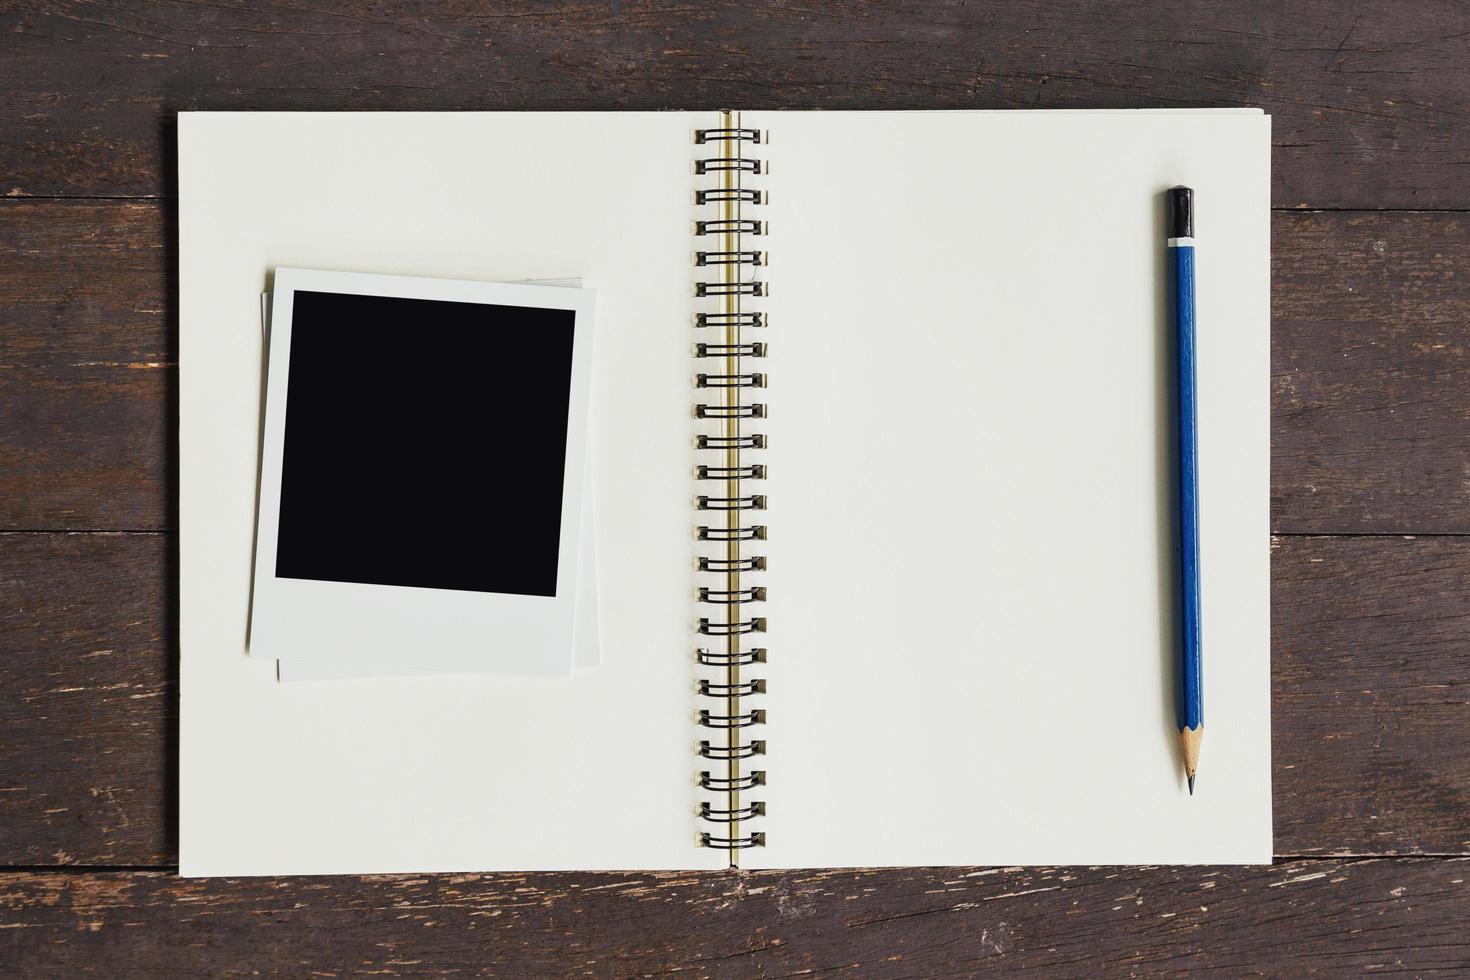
column 747, row 750
column 703, row 289
column 719, row 226
column 754, row 502
column 755, row 563
column 729, row 412
column 725, row 350
column 751, row 781
column 755, row 471
column 732, row 597
column 752, row 441
column 732, row 266
column 757, row 839
column 729, row 319
column 738, row 627
column 729, row 380
column 742, row 658
column 755, row 533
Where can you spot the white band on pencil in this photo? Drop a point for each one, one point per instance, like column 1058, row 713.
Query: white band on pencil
column 1176, row 242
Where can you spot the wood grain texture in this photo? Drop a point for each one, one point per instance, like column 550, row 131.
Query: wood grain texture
column 1370, row 433
column 1370, row 713
column 1370, row 398
column 88, row 723
column 1370, row 706
column 1313, row 918
column 88, row 370
column 1368, row 100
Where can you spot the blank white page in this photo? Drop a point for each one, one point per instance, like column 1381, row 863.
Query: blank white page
column 443, row 773
column 970, row 592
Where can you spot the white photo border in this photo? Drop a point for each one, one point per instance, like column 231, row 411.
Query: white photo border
column 388, row 625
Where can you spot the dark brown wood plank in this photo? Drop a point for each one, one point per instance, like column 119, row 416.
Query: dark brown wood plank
column 1371, row 427
column 1370, row 649
column 1368, row 100
column 1370, row 713
column 1313, row 918
column 1370, row 396
column 87, row 373
column 88, row 723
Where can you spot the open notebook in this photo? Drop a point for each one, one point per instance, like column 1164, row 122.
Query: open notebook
column 951, row 513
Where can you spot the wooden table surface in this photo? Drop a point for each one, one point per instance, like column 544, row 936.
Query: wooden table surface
column 1370, row 486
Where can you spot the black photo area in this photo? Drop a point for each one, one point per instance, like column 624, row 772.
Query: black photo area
column 425, row 443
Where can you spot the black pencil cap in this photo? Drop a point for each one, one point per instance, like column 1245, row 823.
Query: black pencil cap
column 1181, row 212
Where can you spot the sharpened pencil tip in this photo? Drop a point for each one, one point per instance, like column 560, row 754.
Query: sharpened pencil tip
column 1191, row 784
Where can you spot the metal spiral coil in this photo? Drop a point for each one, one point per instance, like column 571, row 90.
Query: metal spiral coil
column 729, row 195
column 727, row 282
column 756, row 839
column 728, row 350
column 732, row 597
column 738, row 658
column 714, row 815
column 755, row 471
column 737, row 627
column 729, row 412
column 730, row 258
column 742, row 750
column 720, row 226
column 712, row 690
column 703, row 136
column 754, row 502
column 749, row 288
column 730, row 319
column 709, row 719
column 756, row 380
column 752, row 779
column 756, row 533
column 752, row 441
column 714, row 165
column 754, row 563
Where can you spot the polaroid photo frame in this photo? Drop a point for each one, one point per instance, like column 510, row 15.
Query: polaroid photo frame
column 422, row 467
column 586, row 638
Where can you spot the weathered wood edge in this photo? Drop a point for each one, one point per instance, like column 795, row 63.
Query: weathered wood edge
column 1295, row 918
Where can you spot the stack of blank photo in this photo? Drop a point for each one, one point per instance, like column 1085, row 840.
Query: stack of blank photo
column 370, row 559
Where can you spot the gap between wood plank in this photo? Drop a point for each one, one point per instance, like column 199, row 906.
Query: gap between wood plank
column 1276, row 860
column 1275, row 534
column 161, row 199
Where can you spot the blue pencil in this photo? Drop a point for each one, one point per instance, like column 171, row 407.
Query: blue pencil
column 1191, row 707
